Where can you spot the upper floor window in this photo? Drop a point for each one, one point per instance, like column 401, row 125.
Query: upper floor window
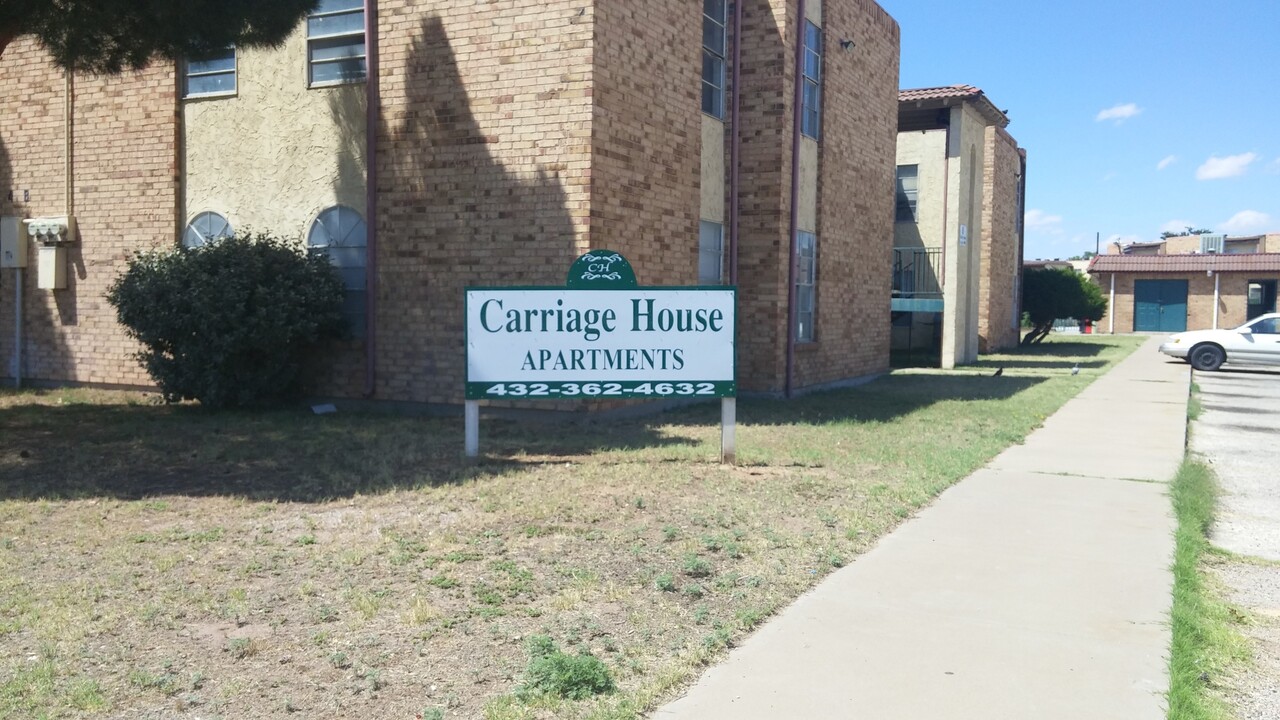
column 212, row 75
column 806, row 285
column 340, row 233
column 908, row 176
column 206, row 228
column 335, row 43
column 714, row 45
column 811, row 109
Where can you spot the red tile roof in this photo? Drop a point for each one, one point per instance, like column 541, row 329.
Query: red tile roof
column 1243, row 262
column 939, row 93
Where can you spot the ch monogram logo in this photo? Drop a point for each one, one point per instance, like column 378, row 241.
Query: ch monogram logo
column 600, row 267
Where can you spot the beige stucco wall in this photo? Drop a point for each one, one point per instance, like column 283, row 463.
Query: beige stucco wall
column 927, row 150
column 807, row 203
column 274, row 155
column 713, row 169
column 813, row 12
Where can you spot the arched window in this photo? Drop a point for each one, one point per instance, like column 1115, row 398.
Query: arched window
column 205, row 228
column 340, row 233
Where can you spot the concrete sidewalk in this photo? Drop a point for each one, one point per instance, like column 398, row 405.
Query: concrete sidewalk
column 1038, row 587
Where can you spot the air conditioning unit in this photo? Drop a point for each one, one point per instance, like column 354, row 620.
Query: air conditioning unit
column 1212, row 243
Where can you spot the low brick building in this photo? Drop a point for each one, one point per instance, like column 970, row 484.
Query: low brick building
column 1193, row 291
column 492, row 144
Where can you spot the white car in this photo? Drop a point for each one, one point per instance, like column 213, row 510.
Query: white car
column 1257, row 342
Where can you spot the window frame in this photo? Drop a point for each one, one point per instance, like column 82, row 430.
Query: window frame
column 714, row 89
column 227, row 230
column 806, row 279
column 811, row 76
column 356, row 38
column 234, row 72
column 907, row 199
column 705, row 253
column 354, row 314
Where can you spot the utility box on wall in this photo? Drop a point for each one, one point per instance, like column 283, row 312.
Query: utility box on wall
column 52, row 235
column 13, row 243
column 52, row 274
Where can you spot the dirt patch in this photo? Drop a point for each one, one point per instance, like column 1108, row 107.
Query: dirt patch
column 1255, row 589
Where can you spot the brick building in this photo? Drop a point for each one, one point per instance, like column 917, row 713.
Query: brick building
column 1178, row 287
column 958, row 233
column 484, row 144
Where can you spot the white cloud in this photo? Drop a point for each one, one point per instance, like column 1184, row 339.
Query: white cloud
column 1169, row 160
column 1119, row 113
column 1217, row 168
column 1177, row 226
column 1246, row 222
column 1041, row 221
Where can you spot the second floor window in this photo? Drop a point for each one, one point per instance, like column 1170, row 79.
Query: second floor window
column 811, row 110
column 714, row 45
column 908, row 177
column 212, row 75
column 335, row 43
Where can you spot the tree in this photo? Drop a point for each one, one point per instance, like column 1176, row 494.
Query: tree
column 1052, row 293
column 1189, row 231
column 1086, row 255
column 107, row 36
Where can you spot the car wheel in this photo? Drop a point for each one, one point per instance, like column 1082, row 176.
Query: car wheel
column 1207, row 357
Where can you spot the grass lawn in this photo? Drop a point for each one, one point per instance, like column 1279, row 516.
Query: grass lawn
column 160, row 561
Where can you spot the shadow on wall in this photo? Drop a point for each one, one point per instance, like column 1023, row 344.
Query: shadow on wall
column 452, row 214
column 45, row 354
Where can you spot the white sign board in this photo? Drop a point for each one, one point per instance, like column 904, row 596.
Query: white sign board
column 623, row 343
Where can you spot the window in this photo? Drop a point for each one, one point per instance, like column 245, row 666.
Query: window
column 714, row 46
column 807, row 246
column 206, row 228
column 213, row 75
column 335, row 43
column 1270, row 326
column 811, row 109
column 710, row 253
column 340, row 233
column 908, row 176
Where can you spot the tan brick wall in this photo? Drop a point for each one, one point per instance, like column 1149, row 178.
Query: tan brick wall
column 1232, row 299
column 125, row 164
column 484, row 162
column 1001, row 261
column 856, row 196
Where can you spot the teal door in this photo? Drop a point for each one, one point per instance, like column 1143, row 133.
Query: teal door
column 1160, row 305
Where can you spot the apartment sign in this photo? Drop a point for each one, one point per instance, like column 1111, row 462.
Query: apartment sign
column 600, row 337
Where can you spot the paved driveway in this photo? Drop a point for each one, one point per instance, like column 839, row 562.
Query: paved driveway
column 1239, row 432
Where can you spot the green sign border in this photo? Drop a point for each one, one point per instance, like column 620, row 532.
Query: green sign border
column 479, row 390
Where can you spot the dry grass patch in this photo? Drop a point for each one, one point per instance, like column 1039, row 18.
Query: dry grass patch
column 162, row 561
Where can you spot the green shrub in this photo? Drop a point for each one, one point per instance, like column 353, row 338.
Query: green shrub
column 552, row 672
column 231, row 323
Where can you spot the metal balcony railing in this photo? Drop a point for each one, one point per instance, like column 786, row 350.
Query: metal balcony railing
column 916, row 273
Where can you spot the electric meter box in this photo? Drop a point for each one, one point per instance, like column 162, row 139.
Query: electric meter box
column 52, row 230
column 13, row 243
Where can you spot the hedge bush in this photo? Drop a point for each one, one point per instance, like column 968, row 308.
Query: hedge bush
column 231, row 323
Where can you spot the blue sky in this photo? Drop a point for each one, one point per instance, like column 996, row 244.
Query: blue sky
column 1137, row 116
